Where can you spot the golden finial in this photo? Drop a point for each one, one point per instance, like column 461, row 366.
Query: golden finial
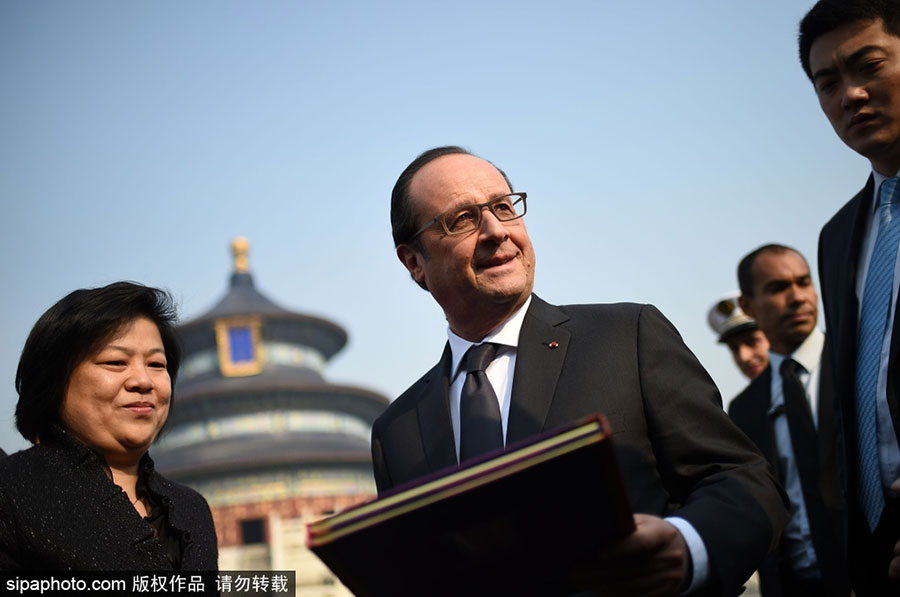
column 239, row 249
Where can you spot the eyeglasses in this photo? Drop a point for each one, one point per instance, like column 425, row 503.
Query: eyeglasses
column 467, row 218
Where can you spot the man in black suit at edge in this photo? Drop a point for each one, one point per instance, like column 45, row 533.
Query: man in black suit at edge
column 708, row 508
column 850, row 50
column 788, row 412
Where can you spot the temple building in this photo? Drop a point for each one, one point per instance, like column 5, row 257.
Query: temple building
column 259, row 431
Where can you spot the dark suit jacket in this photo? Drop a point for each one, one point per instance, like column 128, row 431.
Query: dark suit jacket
column 840, row 244
column 59, row 511
column 750, row 410
column 839, row 251
column 678, row 451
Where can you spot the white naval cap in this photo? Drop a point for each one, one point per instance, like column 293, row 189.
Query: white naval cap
column 726, row 317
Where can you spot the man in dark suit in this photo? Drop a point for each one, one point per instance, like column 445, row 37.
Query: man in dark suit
column 787, row 412
column 850, row 50
column 708, row 508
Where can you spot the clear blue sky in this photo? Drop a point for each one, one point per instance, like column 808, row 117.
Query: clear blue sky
column 658, row 142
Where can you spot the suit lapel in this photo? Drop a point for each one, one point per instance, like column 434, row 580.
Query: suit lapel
column 539, row 360
column 848, row 252
column 845, row 250
column 435, row 426
column 847, row 277
column 854, row 243
column 759, row 423
column 826, row 437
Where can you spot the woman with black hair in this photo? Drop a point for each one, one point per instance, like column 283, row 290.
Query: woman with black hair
column 95, row 388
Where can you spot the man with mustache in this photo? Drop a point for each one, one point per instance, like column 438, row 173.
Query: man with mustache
column 787, row 412
column 850, row 50
column 707, row 508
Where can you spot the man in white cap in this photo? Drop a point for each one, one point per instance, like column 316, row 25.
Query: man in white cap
column 748, row 345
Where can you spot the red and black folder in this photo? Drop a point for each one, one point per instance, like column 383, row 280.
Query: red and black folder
column 513, row 522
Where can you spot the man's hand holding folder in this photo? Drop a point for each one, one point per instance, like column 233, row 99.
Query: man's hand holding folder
column 653, row 561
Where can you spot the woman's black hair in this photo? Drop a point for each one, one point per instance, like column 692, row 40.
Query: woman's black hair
column 77, row 326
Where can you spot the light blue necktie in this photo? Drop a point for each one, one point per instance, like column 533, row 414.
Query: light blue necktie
column 873, row 324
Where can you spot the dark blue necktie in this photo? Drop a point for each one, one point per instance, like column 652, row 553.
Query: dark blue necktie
column 873, row 325
column 480, row 429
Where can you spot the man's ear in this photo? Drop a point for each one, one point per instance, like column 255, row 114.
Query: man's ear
column 746, row 305
column 413, row 261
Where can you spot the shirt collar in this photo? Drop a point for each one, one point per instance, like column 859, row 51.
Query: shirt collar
column 807, row 354
column 879, row 178
column 507, row 334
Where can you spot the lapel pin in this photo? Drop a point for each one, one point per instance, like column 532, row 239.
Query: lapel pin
column 553, row 344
